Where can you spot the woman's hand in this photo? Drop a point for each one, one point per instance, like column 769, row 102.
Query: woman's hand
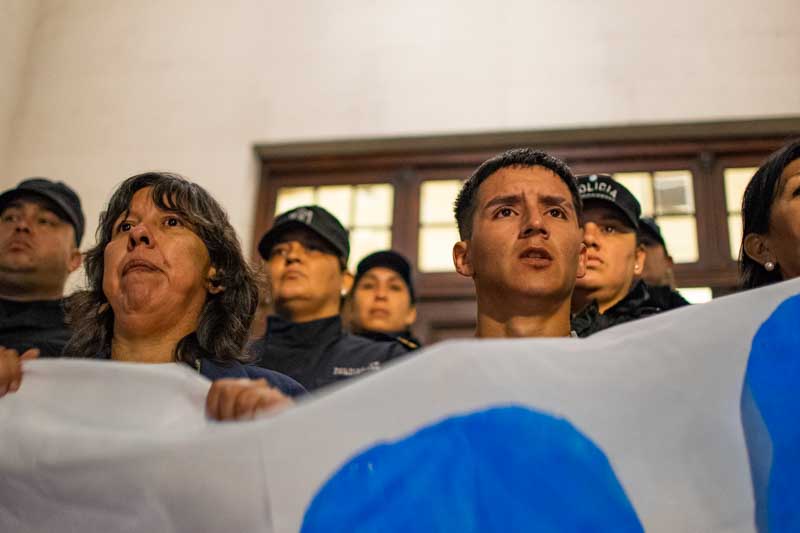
column 11, row 368
column 243, row 399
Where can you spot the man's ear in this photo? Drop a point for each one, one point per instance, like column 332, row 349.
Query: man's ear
column 757, row 248
column 75, row 260
column 347, row 283
column 641, row 256
column 581, row 272
column 462, row 260
column 213, row 285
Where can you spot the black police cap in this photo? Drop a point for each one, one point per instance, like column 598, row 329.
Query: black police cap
column 387, row 259
column 314, row 218
column 66, row 202
column 604, row 188
column 649, row 228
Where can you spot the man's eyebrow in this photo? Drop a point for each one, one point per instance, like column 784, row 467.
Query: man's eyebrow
column 554, row 199
column 509, row 199
column 19, row 203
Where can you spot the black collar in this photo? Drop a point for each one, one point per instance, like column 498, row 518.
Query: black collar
column 298, row 334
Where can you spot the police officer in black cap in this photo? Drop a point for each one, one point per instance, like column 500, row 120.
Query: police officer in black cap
column 657, row 272
column 41, row 226
column 306, row 252
column 382, row 302
column 609, row 293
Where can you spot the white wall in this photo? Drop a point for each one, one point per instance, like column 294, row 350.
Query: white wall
column 115, row 87
column 17, row 19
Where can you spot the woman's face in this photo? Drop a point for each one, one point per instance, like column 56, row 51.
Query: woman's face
column 382, row 302
column 783, row 239
column 157, row 270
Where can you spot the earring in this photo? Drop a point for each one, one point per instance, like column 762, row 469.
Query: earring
column 769, row 266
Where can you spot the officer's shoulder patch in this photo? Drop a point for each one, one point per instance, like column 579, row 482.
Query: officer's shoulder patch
column 411, row 345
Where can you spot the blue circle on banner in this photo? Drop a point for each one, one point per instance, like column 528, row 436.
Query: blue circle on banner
column 771, row 418
column 503, row 469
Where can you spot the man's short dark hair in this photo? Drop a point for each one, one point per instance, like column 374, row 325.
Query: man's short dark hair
column 517, row 157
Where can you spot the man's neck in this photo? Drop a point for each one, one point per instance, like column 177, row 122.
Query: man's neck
column 19, row 293
column 517, row 321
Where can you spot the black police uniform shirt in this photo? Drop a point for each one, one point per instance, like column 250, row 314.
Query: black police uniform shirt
column 636, row 304
column 666, row 297
column 320, row 352
column 39, row 324
column 403, row 337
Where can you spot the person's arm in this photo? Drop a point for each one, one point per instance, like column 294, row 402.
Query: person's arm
column 11, row 368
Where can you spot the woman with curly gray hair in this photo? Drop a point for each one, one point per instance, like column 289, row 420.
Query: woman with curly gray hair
column 167, row 282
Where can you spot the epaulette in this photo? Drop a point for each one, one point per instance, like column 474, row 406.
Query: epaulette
column 411, row 345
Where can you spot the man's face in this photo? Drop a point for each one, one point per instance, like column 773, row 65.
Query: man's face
column 307, row 279
column 37, row 248
column 526, row 240
column 613, row 256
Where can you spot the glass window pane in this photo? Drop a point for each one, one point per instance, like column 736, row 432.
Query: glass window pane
column 365, row 241
column 680, row 234
column 336, row 199
column 696, row 295
column 436, row 249
column 736, row 180
column 291, row 197
column 673, row 192
column 436, row 202
column 639, row 183
column 735, row 234
column 374, row 205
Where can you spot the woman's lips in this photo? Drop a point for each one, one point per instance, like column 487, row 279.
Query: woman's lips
column 594, row 260
column 16, row 245
column 139, row 265
column 293, row 274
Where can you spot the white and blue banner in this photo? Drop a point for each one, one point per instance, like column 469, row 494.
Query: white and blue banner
column 688, row 421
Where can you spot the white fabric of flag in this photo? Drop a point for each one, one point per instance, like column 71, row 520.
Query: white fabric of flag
column 104, row 446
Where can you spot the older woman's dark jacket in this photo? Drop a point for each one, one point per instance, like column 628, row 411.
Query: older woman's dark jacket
column 214, row 371
column 236, row 370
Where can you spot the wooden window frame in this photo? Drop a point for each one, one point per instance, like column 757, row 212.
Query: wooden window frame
column 704, row 148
